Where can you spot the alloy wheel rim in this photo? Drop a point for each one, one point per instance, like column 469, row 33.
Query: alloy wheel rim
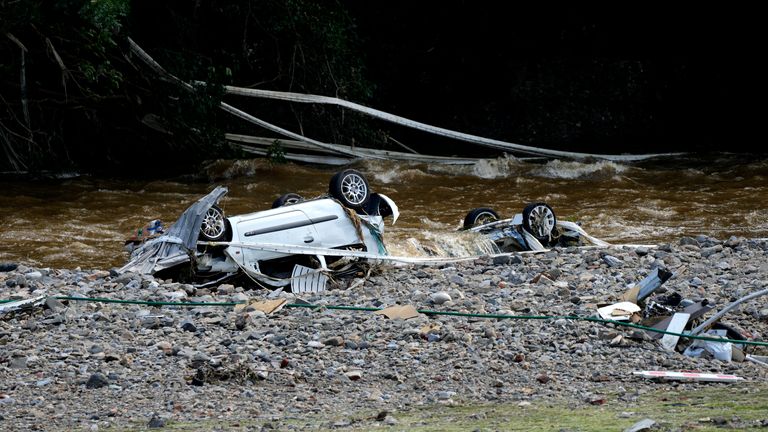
column 213, row 223
column 484, row 218
column 542, row 221
column 354, row 189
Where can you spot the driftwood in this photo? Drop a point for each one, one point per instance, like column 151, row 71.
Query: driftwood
column 325, row 146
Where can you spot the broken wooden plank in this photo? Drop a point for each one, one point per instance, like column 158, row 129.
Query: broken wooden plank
column 619, row 311
column 266, row 306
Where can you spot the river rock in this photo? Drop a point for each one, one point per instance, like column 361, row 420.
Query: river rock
column 196, row 363
column 96, row 380
column 8, row 267
column 440, row 297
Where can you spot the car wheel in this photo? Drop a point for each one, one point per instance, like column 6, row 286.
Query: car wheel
column 287, row 199
column 213, row 227
column 351, row 188
column 480, row 216
column 539, row 220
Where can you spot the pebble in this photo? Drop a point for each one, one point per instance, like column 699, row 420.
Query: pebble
column 440, row 297
column 129, row 364
column 96, row 380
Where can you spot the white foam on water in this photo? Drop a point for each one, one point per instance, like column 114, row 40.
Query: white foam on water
column 397, row 174
column 658, row 213
column 389, row 172
column 501, row 167
column 429, row 223
column 574, row 170
column 463, row 243
column 494, row 168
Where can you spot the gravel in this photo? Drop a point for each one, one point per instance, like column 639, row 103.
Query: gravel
column 74, row 365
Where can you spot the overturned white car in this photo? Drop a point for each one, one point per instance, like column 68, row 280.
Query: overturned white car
column 536, row 228
column 298, row 242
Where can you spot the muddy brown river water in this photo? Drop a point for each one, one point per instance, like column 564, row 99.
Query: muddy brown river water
column 83, row 221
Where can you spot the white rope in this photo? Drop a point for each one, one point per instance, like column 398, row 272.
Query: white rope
column 311, row 250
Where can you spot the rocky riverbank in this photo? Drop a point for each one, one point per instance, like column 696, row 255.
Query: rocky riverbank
column 92, row 365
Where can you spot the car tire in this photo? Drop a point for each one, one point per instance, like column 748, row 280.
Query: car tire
column 480, row 216
column 539, row 220
column 287, row 199
column 350, row 188
column 213, row 227
column 377, row 206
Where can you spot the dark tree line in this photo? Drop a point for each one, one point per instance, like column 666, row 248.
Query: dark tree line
column 72, row 97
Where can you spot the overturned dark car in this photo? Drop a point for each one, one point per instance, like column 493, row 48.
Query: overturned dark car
column 298, row 243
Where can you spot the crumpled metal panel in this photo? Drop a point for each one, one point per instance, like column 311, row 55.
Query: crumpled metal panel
column 178, row 243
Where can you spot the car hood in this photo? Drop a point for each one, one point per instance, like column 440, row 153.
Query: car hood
column 178, row 243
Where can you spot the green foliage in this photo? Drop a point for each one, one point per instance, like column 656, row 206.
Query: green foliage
column 192, row 116
column 106, row 19
column 72, row 62
column 87, row 102
column 276, row 153
column 325, row 48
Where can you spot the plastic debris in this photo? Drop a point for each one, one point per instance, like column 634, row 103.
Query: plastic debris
column 618, row 312
column 677, row 325
column 719, row 350
column 761, row 360
column 22, row 304
column 647, row 286
column 688, row 376
column 695, row 310
column 718, row 315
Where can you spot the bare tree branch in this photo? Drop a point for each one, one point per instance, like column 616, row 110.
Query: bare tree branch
column 64, row 71
column 23, row 79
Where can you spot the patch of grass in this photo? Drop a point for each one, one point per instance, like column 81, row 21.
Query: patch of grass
column 710, row 407
column 703, row 409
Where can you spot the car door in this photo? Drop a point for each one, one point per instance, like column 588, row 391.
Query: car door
column 283, row 226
